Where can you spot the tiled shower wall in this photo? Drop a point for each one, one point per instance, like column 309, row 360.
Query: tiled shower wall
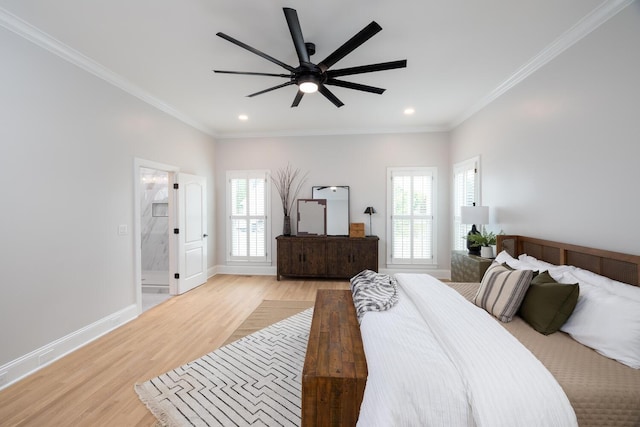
column 155, row 227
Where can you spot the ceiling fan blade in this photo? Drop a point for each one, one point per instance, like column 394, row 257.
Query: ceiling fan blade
column 330, row 96
column 256, row 51
column 365, row 34
column 296, row 34
column 270, row 89
column 356, row 86
column 367, row 68
column 297, row 99
column 250, row 73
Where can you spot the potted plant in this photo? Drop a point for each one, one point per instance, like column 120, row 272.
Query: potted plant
column 284, row 181
column 485, row 239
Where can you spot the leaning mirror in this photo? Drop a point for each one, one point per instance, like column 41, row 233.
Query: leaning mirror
column 312, row 217
column 337, row 197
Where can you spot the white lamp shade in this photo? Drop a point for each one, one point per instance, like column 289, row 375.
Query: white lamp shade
column 474, row 215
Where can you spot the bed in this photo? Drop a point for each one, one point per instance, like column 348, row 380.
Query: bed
column 440, row 357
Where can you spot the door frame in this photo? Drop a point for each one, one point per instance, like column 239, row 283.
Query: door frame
column 137, row 226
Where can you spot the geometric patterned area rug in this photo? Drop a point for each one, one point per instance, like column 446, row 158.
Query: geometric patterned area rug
column 254, row 381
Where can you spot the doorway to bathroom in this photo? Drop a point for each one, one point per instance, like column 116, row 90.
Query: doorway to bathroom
column 170, row 232
column 155, row 212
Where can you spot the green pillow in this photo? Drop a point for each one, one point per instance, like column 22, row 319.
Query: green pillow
column 548, row 304
column 543, row 277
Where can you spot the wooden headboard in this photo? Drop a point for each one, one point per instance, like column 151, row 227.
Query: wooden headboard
column 614, row 265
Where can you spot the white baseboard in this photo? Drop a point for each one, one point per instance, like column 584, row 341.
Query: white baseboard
column 244, row 270
column 29, row 363
column 211, row 271
column 271, row 271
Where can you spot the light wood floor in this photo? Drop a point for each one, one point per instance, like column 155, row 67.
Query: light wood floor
column 94, row 385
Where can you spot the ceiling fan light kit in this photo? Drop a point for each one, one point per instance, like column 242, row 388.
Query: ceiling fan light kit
column 308, row 83
column 310, row 77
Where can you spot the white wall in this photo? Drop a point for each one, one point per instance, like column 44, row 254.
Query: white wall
column 560, row 151
column 67, row 146
column 359, row 161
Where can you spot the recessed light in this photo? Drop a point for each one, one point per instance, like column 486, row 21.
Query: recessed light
column 409, row 111
column 243, row 117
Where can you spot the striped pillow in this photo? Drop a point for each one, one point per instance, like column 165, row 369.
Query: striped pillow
column 502, row 290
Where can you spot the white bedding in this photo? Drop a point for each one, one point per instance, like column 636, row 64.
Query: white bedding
column 434, row 359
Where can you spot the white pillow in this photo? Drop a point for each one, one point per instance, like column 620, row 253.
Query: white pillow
column 606, row 322
column 613, row 286
column 512, row 262
column 503, row 257
column 559, row 273
column 540, row 265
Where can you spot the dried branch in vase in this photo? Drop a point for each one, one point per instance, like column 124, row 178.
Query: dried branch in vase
column 284, row 181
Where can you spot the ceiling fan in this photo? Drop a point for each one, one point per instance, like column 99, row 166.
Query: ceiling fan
column 312, row 77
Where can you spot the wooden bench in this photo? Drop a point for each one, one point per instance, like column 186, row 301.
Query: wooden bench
column 335, row 368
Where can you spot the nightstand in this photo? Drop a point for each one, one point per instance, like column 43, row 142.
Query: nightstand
column 468, row 268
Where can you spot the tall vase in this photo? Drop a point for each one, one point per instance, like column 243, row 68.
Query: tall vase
column 286, row 227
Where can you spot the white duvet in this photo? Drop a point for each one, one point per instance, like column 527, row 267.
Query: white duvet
column 435, row 359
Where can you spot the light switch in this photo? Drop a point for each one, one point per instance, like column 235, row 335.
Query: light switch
column 123, row 229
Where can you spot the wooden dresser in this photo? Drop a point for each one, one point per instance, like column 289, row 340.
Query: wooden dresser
column 335, row 257
column 335, row 368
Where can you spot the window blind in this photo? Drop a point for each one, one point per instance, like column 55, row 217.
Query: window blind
column 247, row 212
column 412, row 216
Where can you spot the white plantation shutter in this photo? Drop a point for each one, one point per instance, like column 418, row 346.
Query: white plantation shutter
column 465, row 193
column 257, row 216
column 247, row 206
column 411, row 203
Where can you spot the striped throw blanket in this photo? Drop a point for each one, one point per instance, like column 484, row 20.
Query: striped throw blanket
column 373, row 292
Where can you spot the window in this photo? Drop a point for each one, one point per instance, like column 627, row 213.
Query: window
column 411, row 201
column 465, row 193
column 247, row 206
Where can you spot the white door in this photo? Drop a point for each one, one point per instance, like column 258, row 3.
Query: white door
column 192, row 232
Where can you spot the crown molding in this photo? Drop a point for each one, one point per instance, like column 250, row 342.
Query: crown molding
column 333, row 132
column 45, row 41
column 581, row 29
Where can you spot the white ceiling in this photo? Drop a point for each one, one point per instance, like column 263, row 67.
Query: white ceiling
column 461, row 54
